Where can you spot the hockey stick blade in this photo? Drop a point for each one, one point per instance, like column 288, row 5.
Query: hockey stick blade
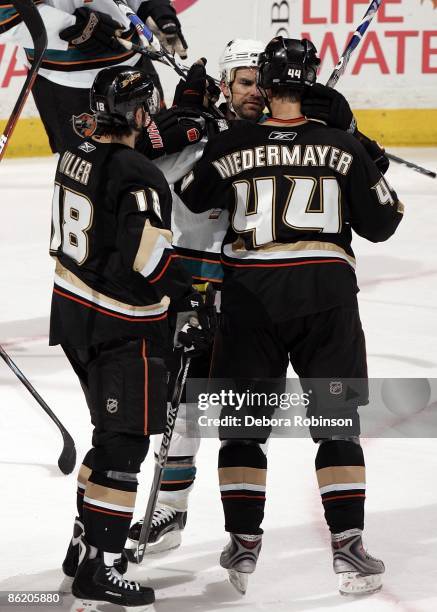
column 35, row 25
column 67, row 458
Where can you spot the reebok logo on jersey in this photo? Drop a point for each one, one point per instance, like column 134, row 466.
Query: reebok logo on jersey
column 282, row 135
column 87, row 147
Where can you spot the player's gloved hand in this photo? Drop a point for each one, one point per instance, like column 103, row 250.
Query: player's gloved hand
column 376, row 152
column 191, row 92
column 330, row 106
column 94, row 32
column 193, row 331
column 161, row 18
column 170, row 132
column 191, row 335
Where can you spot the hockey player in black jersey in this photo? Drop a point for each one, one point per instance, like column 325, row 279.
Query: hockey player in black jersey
column 116, row 278
column 294, row 189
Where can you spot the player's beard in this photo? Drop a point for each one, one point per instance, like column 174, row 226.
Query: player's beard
column 249, row 111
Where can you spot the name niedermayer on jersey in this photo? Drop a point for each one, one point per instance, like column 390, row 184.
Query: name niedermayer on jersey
column 282, row 155
column 282, row 135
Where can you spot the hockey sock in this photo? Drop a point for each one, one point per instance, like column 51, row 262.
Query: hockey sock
column 341, row 475
column 108, row 509
column 177, row 482
column 82, row 480
column 242, row 467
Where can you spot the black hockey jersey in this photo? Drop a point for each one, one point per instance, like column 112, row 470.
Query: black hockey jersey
column 294, row 191
column 116, row 270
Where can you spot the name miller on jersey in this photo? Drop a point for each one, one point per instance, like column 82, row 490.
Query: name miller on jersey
column 281, row 155
column 75, row 167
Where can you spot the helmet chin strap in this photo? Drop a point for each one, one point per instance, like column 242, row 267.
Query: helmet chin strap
column 265, row 98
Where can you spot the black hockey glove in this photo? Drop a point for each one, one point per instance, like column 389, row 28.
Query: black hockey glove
column 170, row 132
column 376, row 152
column 193, row 325
column 93, row 32
column 198, row 88
column 190, row 92
column 161, row 18
column 328, row 105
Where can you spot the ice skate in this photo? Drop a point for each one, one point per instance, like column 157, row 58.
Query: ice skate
column 239, row 557
column 96, row 584
column 359, row 573
column 71, row 561
column 166, row 530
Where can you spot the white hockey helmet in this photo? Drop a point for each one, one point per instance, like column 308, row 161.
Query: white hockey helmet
column 239, row 53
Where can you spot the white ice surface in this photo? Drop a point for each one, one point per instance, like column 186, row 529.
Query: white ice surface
column 398, row 303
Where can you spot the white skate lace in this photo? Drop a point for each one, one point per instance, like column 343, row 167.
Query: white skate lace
column 117, row 580
column 163, row 514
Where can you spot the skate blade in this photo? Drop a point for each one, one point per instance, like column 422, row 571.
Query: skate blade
column 169, row 541
column 66, row 584
column 88, row 605
column 238, row 580
column 354, row 583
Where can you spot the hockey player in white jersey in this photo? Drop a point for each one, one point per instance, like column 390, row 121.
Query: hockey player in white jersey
column 81, row 41
column 197, row 239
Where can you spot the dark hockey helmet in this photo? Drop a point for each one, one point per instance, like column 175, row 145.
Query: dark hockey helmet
column 118, row 92
column 288, row 62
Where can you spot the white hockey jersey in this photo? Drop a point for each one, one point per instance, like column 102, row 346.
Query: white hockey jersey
column 197, row 238
column 63, row 64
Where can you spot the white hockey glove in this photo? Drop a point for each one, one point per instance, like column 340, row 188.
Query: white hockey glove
column 161, row 18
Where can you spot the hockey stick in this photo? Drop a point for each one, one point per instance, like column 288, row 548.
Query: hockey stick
column 147, row 37
column 130, row 46
column 411, row 165
column 35, row 25
column 136, row 555
column 353, row 43
column 343, row 62
column 67, row 458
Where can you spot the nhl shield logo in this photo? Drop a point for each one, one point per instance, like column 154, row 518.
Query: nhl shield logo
column 111, row 405
column 335, row 387
column 84, row 125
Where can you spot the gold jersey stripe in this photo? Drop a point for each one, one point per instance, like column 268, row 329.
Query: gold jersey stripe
column 148, row 242
column 301, row 245
column 73, row 280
